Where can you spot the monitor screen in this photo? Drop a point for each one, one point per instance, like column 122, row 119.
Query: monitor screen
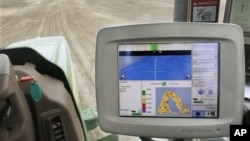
column 179, row 79
column 169, row 80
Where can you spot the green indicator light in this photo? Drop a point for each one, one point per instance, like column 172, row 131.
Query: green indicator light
column 164, row 83
column 136, row 114
column 143, row 92
column 154, row 47
column 198, row 101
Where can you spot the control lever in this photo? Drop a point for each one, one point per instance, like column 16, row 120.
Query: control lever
column 35, row 89
column 7, row 112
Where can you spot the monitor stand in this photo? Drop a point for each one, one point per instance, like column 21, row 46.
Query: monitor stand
column 247, row 69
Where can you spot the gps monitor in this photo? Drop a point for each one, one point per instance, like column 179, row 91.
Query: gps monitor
column 183, row 80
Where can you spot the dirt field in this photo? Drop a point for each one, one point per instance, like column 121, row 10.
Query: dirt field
column 79, row 21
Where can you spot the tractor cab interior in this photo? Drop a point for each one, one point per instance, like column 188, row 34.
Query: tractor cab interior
column 154, row 81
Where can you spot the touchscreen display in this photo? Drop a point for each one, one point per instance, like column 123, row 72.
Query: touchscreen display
column 169, row 80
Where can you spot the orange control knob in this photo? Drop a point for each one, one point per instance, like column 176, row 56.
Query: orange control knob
column 26, row 79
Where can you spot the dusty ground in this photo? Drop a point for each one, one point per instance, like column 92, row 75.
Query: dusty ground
column 79, row 21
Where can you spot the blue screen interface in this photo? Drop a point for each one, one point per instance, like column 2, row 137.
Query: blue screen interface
column 169, row 80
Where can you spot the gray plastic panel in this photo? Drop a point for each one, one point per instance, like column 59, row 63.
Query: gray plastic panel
column 55, row 101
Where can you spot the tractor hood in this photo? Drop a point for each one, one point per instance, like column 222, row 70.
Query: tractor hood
column 48, row 47
column 40, row 51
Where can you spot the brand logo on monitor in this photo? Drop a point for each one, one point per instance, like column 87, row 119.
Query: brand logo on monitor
column 197, row 131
